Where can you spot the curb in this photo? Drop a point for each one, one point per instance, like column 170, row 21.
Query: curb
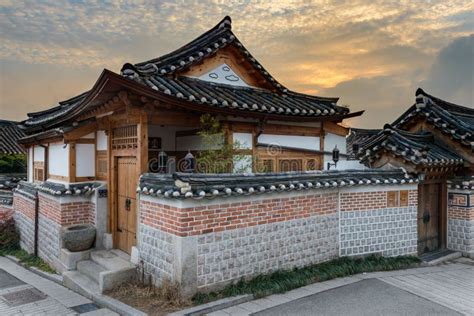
column 214, row 306
column 56, row 278
column 116, row 305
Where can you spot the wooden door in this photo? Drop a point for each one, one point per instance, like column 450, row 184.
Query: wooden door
column 429, row 217
column 126, row 181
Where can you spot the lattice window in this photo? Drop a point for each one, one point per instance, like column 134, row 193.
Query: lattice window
column 38, row 171
column 392, row 198
column 124, row 137
column 291, row 165
column 101, row 165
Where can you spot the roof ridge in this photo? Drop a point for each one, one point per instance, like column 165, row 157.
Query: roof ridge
column 445, row 105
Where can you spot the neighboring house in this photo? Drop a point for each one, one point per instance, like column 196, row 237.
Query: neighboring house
column 11, row 168
column 433, row 138
column 9, row 136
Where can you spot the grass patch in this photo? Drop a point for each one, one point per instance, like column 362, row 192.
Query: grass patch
column 10, row 245
column 28, row 259
column 155, row 301
column 283, row 281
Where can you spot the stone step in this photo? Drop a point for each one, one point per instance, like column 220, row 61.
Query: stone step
column 110, row 260
column 80, row 283
column 91, row 269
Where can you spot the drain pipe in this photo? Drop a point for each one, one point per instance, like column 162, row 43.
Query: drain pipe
column 36, row 223
column 45, row 177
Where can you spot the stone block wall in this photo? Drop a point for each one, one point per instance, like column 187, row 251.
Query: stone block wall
column 369, row 224
column 24, row 216
column 205, row 244
column 54, row 212
column 461, row 221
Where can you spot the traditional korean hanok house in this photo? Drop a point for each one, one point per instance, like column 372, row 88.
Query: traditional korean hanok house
column 12, row 169
column 434, row 139
column 106, row 137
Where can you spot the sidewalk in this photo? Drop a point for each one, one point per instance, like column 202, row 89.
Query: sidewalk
column 22, row 292
column 445, row 290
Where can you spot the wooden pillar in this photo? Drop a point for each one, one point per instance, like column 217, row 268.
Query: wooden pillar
column 72, row 162
column 142, row 134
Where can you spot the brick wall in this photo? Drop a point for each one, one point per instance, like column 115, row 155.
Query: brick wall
column 231, row 238
column 65, row 214
column 227, row 216
column 6, row 212
column 24, row 216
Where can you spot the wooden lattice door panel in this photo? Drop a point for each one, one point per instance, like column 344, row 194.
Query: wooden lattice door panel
column 126, row 202
column 102, row 165
column 38, row 171
column 429, row 217
column 125, row 137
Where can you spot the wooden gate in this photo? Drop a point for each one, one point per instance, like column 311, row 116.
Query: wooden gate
column 126, row 216
column 430, row 219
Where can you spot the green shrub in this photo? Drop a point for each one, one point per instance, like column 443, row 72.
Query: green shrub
column 283, row 281
column 9, row 238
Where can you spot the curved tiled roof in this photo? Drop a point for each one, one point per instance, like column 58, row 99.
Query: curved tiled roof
column 10, row 133
column 163, row 76
column 360, row 137
column 416, row 148
column 454, row 120
column 198, row 186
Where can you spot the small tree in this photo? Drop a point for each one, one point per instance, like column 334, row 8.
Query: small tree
column 13, row 163
column 218, row 156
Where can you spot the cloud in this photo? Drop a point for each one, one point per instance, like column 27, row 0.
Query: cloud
column 310, row 46
column 451, row 75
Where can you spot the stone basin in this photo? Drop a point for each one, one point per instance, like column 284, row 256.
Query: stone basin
column 78, row 237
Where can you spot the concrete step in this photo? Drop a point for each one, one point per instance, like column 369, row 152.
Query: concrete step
column 110, row 260
column 80, row 283
column 91, row 269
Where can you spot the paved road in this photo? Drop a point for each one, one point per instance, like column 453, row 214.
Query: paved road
column 24, row 293
column 447, row 289
column 366, row 297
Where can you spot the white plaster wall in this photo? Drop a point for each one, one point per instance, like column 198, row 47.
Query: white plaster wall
column 244, row 140
column 30, row 164
column 303, row 142
column 39, row 153
column 85, row 160
column 331, row 140
column 58, row 162
column 101, row 140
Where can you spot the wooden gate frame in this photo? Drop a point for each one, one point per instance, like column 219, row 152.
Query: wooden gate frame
column 139, row 119
column 443, row 210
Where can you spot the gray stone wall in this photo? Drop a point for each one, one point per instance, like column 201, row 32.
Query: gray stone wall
column 461, row 235
column 389, row 231
column 26, row 228
column 232, row 254
column 49, row 240
column 157, row 252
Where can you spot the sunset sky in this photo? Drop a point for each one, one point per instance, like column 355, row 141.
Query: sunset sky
column 372, row 54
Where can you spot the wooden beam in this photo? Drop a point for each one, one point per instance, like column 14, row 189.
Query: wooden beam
column 142, row 134
column 334, row 128
column 80, row 131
